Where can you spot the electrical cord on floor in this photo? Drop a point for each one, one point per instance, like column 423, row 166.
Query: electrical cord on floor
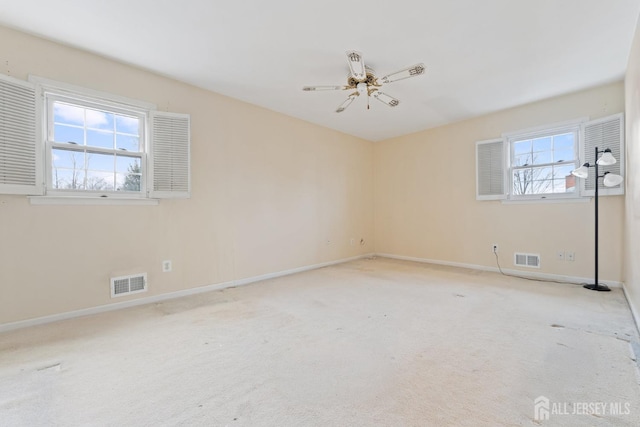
column 529, row 278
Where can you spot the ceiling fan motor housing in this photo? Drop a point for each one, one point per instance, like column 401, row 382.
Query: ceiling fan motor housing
column 352, row 82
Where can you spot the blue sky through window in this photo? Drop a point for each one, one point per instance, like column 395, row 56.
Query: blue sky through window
column 82, row 168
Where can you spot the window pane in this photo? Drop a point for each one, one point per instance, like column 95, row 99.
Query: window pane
column 128, row 173
column 542, row 158
column 130, row 125
column 542, row 144
column 570, row 184
column 99, row 139
column 62, row 133
column 100, row 181
column 127, row 142
column 67, row 179
column 67, row 159
column 564, row 155
column 126, row 164
column 69, row 114
column 522, row 160
column 533, row 180
column 542, row 187
column 563, row 185
column 538, row 174
column 99, row 119
column 520, row 147
column 561, row 172
column 128, row 182
column 521, row 181
column 100, row 162
column 563, row 142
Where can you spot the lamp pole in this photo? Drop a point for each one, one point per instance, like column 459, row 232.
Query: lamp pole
column 596, row 286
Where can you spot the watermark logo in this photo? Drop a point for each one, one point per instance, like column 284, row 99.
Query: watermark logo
column 543, row 408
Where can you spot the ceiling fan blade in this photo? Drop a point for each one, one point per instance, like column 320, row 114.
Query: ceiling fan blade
column 412, row 71
column 356, row 65
column 319, row 88
column 383, row 97
column 347, row 102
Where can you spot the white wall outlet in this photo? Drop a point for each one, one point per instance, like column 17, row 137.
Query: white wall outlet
column 166, row 266
column 494, row 248
column 560, row 255
column 352, row 241
column 570, row 256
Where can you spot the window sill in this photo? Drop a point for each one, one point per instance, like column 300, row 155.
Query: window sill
column 76, row 200
column 549, row 200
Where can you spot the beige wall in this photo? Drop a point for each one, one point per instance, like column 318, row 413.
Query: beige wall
column 632, row 197
column 425, row 204
column 268, row 191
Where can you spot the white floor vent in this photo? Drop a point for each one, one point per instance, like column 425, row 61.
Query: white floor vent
column 527, row 260
column 127, row 285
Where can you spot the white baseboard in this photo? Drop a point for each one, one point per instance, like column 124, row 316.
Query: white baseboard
column 168, row 296
column 634, row 312
column 531, row 275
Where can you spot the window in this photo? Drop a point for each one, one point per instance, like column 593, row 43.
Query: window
column 60, row 140
column 94, row 148
column 541, row 163
column 536, row 164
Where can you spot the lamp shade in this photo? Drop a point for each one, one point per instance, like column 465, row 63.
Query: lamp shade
column 607, row 158
column 611, row 180
column 582, row 171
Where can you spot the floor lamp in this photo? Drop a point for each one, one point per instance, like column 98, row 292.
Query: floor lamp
column 609, row 180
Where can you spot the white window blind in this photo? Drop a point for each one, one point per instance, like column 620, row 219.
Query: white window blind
column 603, row 133
column 170, row 171
column 490, row 170
column 20, row 170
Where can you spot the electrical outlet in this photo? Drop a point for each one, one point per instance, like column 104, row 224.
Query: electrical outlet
column 494, row 248
column 571, row 256
column 352, row 241
column 166, row 266
column 560, row 255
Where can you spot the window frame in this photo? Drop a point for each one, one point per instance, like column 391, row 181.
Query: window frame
column 50, row 97
column 50, row 91
column 573, row 126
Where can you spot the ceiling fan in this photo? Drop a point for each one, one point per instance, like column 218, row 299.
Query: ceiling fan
column 363, row 80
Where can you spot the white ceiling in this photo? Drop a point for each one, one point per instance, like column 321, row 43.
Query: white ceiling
column 481, row 55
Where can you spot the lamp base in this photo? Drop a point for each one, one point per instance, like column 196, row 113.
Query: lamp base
column 596, row 287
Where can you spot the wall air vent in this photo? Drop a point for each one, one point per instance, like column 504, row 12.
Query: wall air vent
column 127, row 285
column 527, row 260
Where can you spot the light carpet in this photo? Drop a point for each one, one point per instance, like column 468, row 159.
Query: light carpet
column 365, row 343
